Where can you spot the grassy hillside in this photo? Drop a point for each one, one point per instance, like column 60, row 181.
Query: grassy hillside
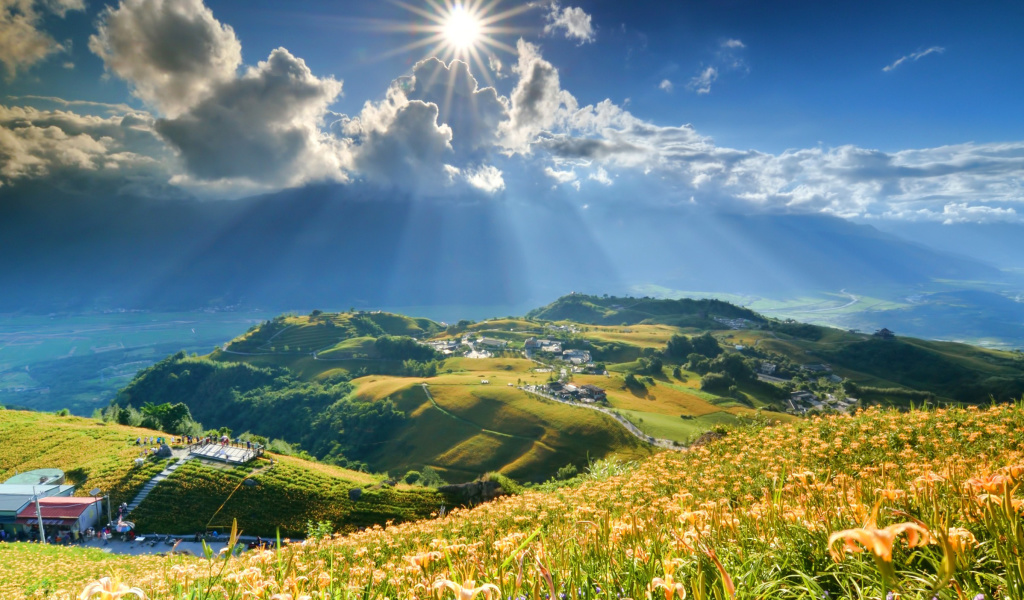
column 287, row 495
column 761, row 513
column 92, row 454
column 464, row 429
column 597, row 310
column 306, row 334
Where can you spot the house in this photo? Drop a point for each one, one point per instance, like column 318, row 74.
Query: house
column 885, row 334
column 532, row 344
column 768, row 368
column 816, row 368
column 65, row 514
column 552, row 347
column 37, row 477
column 555, row 386
column 493, row 343
column 594, row 392
column 576, row 357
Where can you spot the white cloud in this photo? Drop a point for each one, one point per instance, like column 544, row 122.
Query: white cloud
column 172, row 52
column 262, row 127
column 496, row 66
column 560, row 176
column 733, row 43
column 538, row 102
column 574, row 21
column 472, row 112
column 665, row 86
column 486, row 178
column 701, row 83
column 601, row 176
column 913, row 57
column 22, row 43
column 65, row 147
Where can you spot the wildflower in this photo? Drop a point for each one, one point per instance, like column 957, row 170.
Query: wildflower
column 879, row 541
column 423, row 559
column 467, row 591
column 109, row 589
column 961, row 540
column 668, row 585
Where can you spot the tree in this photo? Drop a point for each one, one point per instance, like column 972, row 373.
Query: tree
column 679, row 347
column 706, row 345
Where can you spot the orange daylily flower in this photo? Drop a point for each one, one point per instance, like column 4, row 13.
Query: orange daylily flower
column 109, row 589
column 961, row 540
column 467, row 591
column 878, row 541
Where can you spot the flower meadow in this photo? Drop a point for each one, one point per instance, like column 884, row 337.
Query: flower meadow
column 882, row 504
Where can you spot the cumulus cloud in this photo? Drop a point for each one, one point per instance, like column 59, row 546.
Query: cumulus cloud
column 573, row 21
column 263, row 127
column 63, row 147
column 399, row 143
column 473, row 113
column 486, row 178
column 665, row 86
column 173, row 53
column 22, row 42
column 913, row 57
column 538, row 102
column 701, row 83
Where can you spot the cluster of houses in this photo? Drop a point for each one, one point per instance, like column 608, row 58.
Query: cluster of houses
column 588, row 394
column 736, row 323
column 42, row 495
column 572, row 356
column 803, row 402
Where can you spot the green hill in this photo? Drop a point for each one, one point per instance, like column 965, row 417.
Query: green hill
column 286, row 495
column 610, row 310
column 347, row 387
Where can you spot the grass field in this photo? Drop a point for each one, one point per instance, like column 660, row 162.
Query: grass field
column 91, row 453
column 815, row 509
column 469, row 430
column 643, row 336
column 286, row 496
column 292, row 492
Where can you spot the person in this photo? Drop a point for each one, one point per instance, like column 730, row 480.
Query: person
column 138, row 441
column 259, row 542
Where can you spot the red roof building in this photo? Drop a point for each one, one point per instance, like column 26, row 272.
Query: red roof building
column 70, row 513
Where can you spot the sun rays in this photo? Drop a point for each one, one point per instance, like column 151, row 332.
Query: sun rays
column 466, row 31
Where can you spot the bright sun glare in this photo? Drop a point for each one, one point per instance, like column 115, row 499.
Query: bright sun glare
column 466, row 30
column 461, row 29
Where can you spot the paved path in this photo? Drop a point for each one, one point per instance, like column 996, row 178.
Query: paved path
column 146, row 489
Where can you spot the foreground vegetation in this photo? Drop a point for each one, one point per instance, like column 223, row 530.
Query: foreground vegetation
column 917, row 504
column 264, row 497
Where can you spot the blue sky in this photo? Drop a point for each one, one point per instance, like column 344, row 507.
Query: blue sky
column 867, row 110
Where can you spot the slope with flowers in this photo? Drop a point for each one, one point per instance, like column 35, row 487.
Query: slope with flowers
column 916, row 504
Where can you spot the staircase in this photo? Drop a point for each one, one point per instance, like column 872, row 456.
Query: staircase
column 146, row 489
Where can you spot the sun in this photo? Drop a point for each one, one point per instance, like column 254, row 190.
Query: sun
column 461, row 29
column 468, row 30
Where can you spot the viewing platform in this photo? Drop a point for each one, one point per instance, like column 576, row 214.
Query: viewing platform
column 227, row 453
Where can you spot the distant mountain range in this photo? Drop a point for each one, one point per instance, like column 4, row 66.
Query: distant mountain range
column 334, row 246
